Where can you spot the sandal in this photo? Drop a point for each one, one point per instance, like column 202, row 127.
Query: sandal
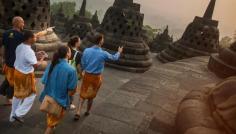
column 86, row 114
column 76, row 117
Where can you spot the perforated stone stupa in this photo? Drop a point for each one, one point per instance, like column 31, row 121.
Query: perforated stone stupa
column 122, row 26
column 80, row 24
column 224, row 63
column 36, row 14
column 201, row 38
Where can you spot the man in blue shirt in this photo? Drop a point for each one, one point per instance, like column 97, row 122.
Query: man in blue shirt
column 92, row 64
column 11, row 39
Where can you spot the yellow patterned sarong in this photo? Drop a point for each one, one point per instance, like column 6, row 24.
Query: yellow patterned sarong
column 24, row 84
column 53, row 120
column 9, row 74
column 90, row 86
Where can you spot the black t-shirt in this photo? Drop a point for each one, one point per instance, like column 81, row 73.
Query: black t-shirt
column 10, row 40
column 78, row 56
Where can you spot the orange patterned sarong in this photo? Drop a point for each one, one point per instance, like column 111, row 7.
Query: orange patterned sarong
column 53, row 120
column 9, row 73
column 24, row 84
column 90, row 86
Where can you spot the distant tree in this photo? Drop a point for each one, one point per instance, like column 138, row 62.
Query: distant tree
column 149, row 33
column 68, row 8
column 225, row 42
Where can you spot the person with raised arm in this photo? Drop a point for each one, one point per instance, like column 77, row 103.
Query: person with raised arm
column 92, row 64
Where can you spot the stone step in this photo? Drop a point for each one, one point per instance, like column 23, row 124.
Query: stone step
column 162, row 59
column 128, row 68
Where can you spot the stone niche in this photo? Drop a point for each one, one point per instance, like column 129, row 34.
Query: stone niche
column 201, row 38
column 224, row 63
column 209, row 111
column 122, row 26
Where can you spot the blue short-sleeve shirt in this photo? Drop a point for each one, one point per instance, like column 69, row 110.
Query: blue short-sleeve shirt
column 62, row 79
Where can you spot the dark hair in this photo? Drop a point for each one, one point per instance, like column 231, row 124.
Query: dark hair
column 27, row 35
column 73, row 40
column 98, row 38
column 60, row 54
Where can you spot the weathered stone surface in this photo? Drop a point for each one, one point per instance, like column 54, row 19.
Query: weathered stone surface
column 130, row 103
column 201, row 38
column 209, row 111
column 35, row 12
column 224, row 63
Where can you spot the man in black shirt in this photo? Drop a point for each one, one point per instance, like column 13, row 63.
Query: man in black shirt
column 10, row 40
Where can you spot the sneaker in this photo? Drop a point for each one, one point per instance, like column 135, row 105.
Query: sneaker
column 12, row 119
column 72, row 107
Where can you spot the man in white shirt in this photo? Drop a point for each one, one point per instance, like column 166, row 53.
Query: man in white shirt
column 24, row 79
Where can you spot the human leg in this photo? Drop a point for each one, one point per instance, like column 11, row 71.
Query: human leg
column 25, row 106
column 52, row 121
column 15, row 104
column 77, row 115
column 89, row 106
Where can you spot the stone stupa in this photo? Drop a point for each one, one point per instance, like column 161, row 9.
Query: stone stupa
column 201, row 38
column 36, row 14
column 95, row 21
column 122, row 26
column 161, row 41
column 80, row 24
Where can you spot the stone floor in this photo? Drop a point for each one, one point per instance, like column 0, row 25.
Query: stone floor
column 127, row 103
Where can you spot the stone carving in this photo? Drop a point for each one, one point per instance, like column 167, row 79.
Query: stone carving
column 122, row 25
column 224, row 63
column 201, row 38
column 162, row 41
column 209, row 111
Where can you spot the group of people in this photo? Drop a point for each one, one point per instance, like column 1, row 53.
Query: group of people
column 68, row 68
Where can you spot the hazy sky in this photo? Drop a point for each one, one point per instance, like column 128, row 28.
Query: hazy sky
column 179, row 13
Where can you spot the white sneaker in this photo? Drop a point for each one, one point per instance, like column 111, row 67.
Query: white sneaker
column 12, row 119
column 72, row 107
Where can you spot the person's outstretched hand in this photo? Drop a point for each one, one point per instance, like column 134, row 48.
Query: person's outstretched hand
column 120, row 49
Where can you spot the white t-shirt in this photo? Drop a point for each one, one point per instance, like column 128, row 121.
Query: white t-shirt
column 25, row 59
